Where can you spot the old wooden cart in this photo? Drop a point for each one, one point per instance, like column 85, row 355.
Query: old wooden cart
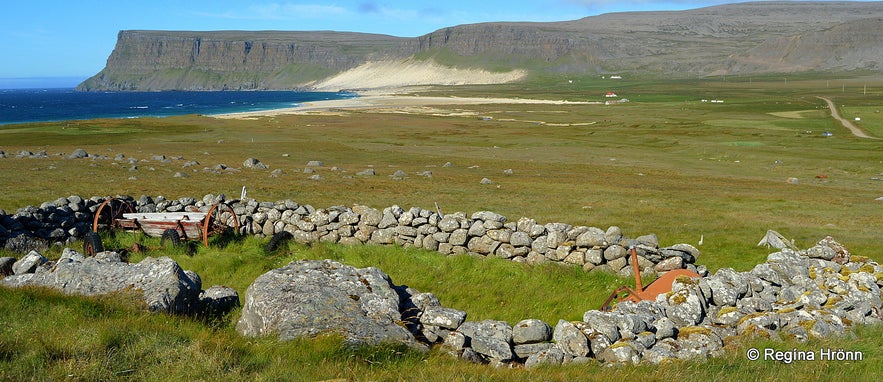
column 118, row 213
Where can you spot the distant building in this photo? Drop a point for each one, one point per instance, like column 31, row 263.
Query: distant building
column 615, row 77
column 610, row 95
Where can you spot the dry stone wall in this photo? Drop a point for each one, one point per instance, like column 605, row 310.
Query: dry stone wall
column 483, row 233
column 796, row 294
column 800, row 294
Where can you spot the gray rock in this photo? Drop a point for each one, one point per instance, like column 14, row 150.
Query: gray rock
column 498, row 330
column 671, row 263
column 254, row 164
column 841, row 254
column 486, row 181
column 218, row 300
column 455, row 341
column 523, row 351
column 615, row 252
column 447, row 318
column 477, row 229
column 315, row 163
column 28, row 263
column 368, row 216
column 620, row 352
column 23, row 243
column 307, row 298
column 383, row 236
column 78, row 153
column 821, row 252
column 520, row 239
column 488, row 216
column 648, row 240
column 551, row 356
column 658, row 355
column 601, row 322
column 366, row 172
column 570, row 339
column 591, row 239
column 472, row 356
column 531, row 331
column 722, row 294
column 493, row 348
column 458, row 237
column 753, row 304
column 685, row 306
column 665, row 328
column 766, row 273
column 163, row 284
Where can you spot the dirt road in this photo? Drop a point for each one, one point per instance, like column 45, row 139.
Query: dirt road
column 845, row 122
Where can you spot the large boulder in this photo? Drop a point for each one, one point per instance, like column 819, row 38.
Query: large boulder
column 163, row 284
column 313, row 297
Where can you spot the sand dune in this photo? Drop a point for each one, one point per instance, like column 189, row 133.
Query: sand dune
column 395, row 74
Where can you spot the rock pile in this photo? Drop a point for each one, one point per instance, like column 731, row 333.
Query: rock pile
column 484, row 233
column 161, row 281
column 61, row 221
column 815, row 293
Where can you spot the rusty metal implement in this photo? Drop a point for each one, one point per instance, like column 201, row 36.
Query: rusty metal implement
column 655, row 288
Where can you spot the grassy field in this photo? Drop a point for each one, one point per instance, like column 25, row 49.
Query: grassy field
column 664, row 163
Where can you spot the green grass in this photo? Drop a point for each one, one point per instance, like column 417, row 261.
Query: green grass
column 665, row 163
column 112, row 338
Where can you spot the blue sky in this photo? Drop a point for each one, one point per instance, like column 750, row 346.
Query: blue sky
column 73, row 39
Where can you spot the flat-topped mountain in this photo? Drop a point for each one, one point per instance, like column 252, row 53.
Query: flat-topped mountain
column 745, row 38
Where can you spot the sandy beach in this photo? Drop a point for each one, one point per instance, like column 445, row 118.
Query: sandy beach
column 391, row 101
column 382, row 86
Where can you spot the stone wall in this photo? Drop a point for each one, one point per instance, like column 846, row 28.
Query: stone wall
column 485, row 233
column 815, row 293
column 797, row 294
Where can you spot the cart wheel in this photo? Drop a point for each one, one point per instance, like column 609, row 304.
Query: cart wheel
column 110, row 210
column 219, row 219
column 92, row 244
column 172, row 236
column 279, row 239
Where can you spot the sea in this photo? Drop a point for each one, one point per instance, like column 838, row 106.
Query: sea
column 61, row 104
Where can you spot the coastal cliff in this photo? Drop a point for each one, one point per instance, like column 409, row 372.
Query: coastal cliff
column 233, row 60
column 745, row 38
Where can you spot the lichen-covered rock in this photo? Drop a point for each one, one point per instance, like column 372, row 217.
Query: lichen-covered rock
column 163, row 284
column 308, row 298
column 686, row 306
column 551, row 356
column 28, row 263
column 620, row 352
column 531, row 331
column 570, row 339
column 447, row 318
column 218, row 300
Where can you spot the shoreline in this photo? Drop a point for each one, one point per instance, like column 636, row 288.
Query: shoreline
column 373, row 100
